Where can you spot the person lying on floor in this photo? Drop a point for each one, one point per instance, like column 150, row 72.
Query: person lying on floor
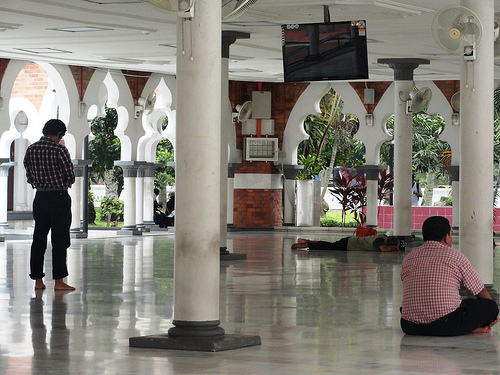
column 378, row 242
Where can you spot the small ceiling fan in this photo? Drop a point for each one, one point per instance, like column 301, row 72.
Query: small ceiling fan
column 419, row 100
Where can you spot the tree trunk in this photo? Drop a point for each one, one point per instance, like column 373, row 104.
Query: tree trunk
column 429, row 189
column 111, row 185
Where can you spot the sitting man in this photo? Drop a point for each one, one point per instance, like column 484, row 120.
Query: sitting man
column 378, row 242
column 431, row 276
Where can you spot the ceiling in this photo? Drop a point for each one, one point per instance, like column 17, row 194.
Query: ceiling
column 128, row 34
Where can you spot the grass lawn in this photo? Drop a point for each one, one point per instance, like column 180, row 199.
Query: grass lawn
column 333, row 218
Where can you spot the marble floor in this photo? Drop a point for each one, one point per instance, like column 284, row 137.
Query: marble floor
column 316, row 313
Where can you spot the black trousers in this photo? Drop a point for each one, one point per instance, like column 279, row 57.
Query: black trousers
column 471, row 314
column 52, row 212
column 325, row 245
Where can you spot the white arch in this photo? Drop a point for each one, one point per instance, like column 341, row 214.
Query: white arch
column 152, row 123
column 294, row 131
column 440, row 105
column 119, row 92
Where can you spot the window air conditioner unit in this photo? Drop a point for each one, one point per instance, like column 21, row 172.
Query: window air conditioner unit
column 261, row 149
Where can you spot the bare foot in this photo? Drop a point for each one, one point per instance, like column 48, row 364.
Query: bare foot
column 61, row 285
column 482, row 330
column 39, row 284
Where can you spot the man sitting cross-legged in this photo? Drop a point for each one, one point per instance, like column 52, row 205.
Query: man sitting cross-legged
column 432, row 275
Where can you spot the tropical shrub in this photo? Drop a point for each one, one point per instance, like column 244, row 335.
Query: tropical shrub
column 111, row 211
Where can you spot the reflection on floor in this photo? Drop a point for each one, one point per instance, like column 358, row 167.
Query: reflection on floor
column 329, row 312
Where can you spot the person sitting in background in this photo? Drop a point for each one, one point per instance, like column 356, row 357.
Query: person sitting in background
column 431, row 276
column 378, row 242
column 170, row 210
column 416, row 192
column 159, row 217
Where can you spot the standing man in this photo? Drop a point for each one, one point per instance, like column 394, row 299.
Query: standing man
column 49, row 170
column 432, row 275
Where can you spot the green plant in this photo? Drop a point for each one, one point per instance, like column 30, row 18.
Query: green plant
column 111, row 211
column 351, row 194
column 164, row 175
column 332, row 222
column 311, row 168
column 91, row 214
column 330, row 136
column 385, row 187
column 449, row 201
column 104, row 150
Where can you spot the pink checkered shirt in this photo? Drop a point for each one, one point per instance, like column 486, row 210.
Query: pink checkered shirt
column 431, row 276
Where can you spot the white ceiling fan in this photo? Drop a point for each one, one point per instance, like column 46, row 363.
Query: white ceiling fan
column 419, row 100
column 458, row 30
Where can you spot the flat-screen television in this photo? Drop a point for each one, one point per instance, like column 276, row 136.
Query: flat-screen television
column 325, row 51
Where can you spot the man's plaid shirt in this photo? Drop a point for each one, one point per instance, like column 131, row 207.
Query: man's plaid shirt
column 48, row 165
column 432, row 275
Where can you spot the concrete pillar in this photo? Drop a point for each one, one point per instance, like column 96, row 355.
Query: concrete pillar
column 23, row 193
column 476, row 145
column 197, row 229
column 230, row 191
column 149, row 185
column 139, row 202
column 290, row 173
column 403, row 77
column 198, row 164
column 372, row 172
column 129, row 196
column 454, row 176
column 4, row 177
column 76, row 193
column 228, row 38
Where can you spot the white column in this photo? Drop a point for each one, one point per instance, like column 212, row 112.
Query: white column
column 4, row 177
column 76, row 202
column 402, row 159
column 453, row 172
column 403, row 84
column 129, row 196
column 149, row 185
column 290, row 173
column 372, row 203
column 455, row 186
column 23, row 196
column 198, row 160
column 139, row 194
column 372, row 172
column 230, row 199
column 224, row 152
column 476, row 137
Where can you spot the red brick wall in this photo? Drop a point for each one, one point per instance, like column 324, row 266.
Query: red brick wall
column 262, row 208
column 257, row 208
column 136, row 81
column 31, row 83
column 82, row 76
column 448, row 88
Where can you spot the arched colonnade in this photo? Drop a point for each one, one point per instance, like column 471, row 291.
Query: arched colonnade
column 76, row 94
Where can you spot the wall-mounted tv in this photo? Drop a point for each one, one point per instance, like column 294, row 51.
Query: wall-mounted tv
column 325, row 51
